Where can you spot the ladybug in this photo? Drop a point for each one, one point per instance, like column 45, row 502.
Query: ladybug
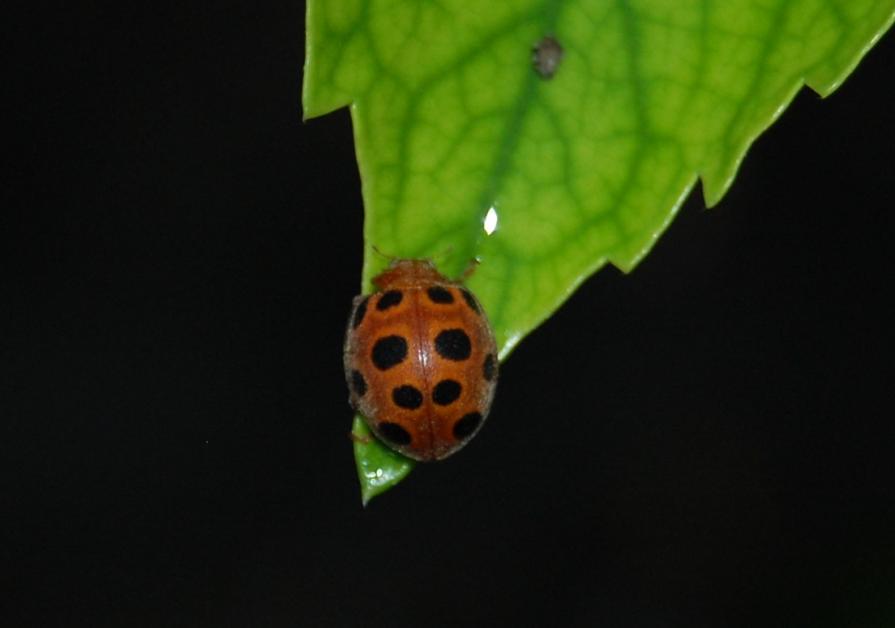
column 420, row 361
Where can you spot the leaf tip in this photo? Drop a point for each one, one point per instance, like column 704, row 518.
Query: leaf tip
column 378, row 468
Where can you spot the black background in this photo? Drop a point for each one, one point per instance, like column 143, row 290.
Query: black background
column 704, row 442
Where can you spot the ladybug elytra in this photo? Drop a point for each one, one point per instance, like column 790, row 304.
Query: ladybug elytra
column 420, row 361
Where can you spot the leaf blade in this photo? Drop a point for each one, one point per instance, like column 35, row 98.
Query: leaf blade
column 452, row 124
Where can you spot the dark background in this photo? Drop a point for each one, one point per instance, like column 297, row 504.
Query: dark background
column 705, row 442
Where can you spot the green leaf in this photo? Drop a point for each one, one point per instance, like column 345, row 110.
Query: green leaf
column 452, row 124
column 378, row 467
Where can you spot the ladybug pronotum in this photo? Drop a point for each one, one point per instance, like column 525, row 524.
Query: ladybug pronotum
column 420, row 361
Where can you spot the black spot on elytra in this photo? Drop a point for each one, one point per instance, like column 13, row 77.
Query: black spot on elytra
column 358, row 383
column 389, row 351
column 389, row 299
column 453, row 344
column 446, row 392
column 394, row 433
column 467, row 424
column 470, row 300
column 407, row 397
column 359, row 313
column 489, row 368
column 438, row 294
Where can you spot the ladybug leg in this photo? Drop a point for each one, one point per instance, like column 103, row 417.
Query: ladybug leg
column 363, row 440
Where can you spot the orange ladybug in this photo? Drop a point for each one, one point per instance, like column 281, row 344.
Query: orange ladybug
column 420, row 361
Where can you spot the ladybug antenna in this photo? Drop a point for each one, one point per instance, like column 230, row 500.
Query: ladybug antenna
column 471, row 265
column 446, row 253
column 386, row 256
